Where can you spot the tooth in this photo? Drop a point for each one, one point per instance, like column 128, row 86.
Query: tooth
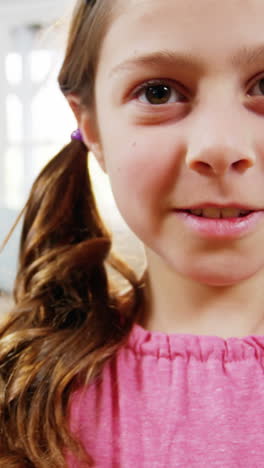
column 211, row 212
column 230, row 212
column 197, row 212
column 245, row 212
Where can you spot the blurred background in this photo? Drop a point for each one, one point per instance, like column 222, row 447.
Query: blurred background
column 36, row 122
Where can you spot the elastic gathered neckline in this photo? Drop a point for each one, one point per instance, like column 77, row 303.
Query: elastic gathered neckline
column 200, row 347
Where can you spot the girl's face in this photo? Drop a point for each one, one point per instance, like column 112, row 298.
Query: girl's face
column 180, row 113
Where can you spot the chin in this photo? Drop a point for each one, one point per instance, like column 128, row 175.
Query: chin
column 218, row 282
column 217, row 278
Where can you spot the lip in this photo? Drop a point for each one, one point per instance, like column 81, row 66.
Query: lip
column 221, row 228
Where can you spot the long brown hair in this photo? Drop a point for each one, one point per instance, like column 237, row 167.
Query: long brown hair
column 69, row 317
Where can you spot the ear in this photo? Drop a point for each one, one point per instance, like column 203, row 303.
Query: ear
column 87, row 125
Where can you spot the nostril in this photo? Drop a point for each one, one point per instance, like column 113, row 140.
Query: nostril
column 218, row 161
column 201, row 167
column 242, row 165
column 220, row 168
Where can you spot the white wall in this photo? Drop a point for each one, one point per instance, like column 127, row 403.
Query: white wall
column 15, row 13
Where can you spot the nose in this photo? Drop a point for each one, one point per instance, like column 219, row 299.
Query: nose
column 219, row 160
column 220, row 145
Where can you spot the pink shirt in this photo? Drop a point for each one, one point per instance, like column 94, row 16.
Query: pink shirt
column 179, row 400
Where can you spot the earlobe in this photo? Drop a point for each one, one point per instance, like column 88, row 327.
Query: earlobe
column 86, row 123
column 75, row 105
column 91, row 138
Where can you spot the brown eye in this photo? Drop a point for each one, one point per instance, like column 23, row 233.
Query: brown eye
column 259, row 88
column 159, row 94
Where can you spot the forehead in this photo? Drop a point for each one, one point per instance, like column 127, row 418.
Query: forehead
column 212, row 29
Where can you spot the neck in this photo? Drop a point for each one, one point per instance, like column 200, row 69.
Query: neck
column 180, row 305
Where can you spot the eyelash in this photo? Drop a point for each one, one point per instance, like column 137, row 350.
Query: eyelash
column 159, row 82
column 257, row 80
column 171, row 85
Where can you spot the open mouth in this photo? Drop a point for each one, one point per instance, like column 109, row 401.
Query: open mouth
column 219, row 213
column 216, row 222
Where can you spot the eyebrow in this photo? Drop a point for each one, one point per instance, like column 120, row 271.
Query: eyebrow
column 245, row 56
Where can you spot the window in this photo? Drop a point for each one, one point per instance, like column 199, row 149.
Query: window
column 38, row 120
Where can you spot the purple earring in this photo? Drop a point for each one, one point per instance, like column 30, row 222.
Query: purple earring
column 77, row 135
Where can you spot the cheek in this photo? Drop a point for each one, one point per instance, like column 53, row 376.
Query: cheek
column 142, row 162
column 139, row 179
column 144, row 168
